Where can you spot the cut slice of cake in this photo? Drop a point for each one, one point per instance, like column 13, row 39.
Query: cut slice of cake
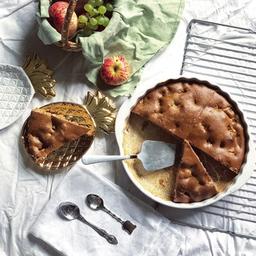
column 48, row 132
column 193, row 184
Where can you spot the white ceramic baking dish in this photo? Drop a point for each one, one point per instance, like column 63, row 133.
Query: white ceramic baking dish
column 246, row 169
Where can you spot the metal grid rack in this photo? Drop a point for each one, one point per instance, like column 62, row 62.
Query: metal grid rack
column 227, row 55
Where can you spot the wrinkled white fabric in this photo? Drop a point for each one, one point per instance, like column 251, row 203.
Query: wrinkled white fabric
column 154, row 235
column 23, row 192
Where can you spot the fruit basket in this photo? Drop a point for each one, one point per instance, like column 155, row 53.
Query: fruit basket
column 130, row 30
column 64, row 18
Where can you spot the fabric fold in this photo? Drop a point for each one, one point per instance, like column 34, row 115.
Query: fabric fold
column 154, row 234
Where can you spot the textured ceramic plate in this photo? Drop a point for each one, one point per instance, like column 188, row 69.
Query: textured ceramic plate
column 16, row 92
column 71, row 152
column 238, row 181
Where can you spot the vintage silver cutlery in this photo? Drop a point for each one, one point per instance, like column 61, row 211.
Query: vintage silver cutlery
column 95, row 202
column 70, row 211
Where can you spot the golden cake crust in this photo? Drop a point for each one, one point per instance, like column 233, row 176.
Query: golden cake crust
column 47, row 132
column 193, row 184
column 199, row 114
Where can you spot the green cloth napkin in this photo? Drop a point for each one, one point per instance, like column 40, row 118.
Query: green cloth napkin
column 138, row 29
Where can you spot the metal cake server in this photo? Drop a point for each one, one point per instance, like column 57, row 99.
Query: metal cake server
column 154, row 155
column 95, row 203
column 70, row 211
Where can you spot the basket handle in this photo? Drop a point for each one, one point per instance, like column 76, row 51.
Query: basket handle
column 65, row 28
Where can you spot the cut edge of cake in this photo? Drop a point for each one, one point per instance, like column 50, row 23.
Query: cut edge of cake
column 192, row 183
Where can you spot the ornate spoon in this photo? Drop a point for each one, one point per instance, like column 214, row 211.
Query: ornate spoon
column 96, row 203
column 71, row 211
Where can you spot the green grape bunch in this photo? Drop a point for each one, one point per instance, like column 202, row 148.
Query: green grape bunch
column 96, row 16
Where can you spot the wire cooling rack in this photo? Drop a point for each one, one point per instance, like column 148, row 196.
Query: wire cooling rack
column 226, row 54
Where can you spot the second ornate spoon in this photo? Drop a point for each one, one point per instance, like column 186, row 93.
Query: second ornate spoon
column 95, row 202
column 71, row 211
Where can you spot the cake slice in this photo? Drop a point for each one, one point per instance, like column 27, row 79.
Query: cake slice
column 47, row 132
column 193, row 184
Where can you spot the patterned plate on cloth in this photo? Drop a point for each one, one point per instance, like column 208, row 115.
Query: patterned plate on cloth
column 98, row 113
column 70, row 152
column 16, row 92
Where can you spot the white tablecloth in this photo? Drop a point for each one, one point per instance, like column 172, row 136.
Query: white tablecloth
column 24, row 192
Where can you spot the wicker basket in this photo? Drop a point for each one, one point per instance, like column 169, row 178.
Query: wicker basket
column 65, row 43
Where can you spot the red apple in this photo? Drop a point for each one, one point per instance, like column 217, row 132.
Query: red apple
column 57, row 12
column 115, row 70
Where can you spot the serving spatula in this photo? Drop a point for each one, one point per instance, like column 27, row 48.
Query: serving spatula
column 154, row 155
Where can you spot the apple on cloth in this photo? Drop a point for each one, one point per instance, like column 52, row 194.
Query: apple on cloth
column 138, row 29
column 115, row 70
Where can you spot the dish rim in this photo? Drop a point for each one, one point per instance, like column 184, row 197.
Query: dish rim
column 238, row 181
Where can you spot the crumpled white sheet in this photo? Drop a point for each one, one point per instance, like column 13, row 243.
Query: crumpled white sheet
column 24, row 192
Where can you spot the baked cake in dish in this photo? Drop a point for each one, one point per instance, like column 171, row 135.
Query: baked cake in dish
column 47, row 132
column 193, row 183
column 208, row 129
column 200, row 115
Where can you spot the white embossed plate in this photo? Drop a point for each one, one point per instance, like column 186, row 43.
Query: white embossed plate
column 16, row 92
